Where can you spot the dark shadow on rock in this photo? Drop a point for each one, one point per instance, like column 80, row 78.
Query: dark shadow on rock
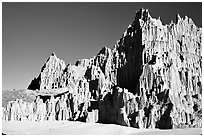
column 44, row 97
column 35, row 84
column 153, row 61
column 129, row 74
column 164, row 96
column 165, row 121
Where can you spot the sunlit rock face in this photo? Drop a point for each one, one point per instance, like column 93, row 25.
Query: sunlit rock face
column 172, row 62
column 151, row 78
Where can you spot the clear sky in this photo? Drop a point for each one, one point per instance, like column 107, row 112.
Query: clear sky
column 32, row 31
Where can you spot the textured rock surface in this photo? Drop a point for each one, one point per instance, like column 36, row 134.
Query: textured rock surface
column 51, row 75
column 151, row 78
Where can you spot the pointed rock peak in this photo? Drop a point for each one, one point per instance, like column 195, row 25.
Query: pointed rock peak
column 52, row 57
column 178, row 18
column 105, row 50
column 53, row 54
column 186, row 17
column 142, row 10
column 142, row 14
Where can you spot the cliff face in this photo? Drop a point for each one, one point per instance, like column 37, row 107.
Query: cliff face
column 172, row 64
column 152, row 76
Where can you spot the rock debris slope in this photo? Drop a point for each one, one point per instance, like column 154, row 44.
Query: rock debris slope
column 150, row 79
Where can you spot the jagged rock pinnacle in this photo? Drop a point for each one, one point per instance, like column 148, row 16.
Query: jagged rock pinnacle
column 53, row 54
column 150, row 65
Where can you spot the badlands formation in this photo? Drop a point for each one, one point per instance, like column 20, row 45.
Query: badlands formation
column 150, row 79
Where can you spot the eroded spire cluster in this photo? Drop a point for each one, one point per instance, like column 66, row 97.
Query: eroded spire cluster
column 151, row 78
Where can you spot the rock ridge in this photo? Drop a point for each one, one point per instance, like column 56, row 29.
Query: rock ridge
column 150, row 79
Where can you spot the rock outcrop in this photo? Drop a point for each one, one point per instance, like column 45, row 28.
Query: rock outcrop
column 151, row 78
column 51, row 75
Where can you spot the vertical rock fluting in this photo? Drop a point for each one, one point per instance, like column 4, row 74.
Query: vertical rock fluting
column 172, row 62
column 151, row 78
column 51, row 75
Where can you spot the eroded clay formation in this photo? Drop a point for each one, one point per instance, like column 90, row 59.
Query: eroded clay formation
column 151, row 78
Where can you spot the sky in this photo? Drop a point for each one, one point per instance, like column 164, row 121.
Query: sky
column 32, row 31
